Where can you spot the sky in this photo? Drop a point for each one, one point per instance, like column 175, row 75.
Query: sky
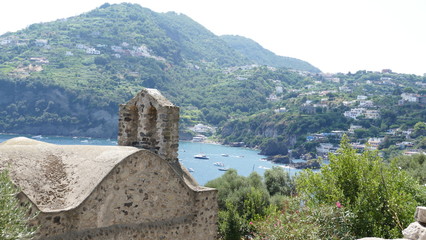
column 333, row 35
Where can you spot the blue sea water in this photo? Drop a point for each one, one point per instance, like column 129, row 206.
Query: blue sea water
column 245, row 161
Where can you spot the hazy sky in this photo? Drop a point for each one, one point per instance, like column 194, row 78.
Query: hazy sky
column 333, row 35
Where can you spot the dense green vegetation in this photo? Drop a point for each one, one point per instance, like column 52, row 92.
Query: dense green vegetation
column 415, row 165
column 13, row 216
column 381, row 197
column 354, row 196
column 243, row 200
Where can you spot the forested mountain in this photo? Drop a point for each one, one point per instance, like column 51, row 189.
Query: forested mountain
column 67, row 77
column 255, row 52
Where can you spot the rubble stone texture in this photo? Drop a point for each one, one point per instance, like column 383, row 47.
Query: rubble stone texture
column 420, row 215
column 150, row 121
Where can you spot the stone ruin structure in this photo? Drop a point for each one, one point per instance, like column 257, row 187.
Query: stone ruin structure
column 150, row 121
column 137, row 190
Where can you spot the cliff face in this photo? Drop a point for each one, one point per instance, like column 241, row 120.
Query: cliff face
column 36, row 109
column 270, row 138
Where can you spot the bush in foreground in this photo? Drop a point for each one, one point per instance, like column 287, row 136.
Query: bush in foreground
column 381, row 197
column 296, row 221
column 13, row 216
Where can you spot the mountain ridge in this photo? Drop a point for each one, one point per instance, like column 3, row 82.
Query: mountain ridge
column 255, row 52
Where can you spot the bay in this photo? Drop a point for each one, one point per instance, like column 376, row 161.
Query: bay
column 244, row 160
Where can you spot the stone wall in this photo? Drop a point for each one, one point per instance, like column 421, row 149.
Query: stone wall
column 141, row 198
column 150, row 121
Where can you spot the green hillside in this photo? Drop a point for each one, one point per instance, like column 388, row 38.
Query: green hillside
column 67, row 77
column 255, row 52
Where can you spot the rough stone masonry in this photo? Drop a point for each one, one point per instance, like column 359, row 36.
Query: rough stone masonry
column 137, row 190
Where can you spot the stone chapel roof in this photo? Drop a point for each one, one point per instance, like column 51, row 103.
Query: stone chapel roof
column 59, row 177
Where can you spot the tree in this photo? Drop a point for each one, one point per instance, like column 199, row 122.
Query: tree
column 13, row 216
column 408, row 90
column 279, row 182
column 419, row 129
column 422, row 143
column 241, row 200
column 101, row 60
column 381, row 197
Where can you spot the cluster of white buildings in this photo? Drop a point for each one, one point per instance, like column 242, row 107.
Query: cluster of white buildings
column 87, row 49
column 361, row 110
column 201, row 128
column 412, row 98
column 354, row 113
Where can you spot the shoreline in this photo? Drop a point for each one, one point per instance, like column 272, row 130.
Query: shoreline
column 305, row 164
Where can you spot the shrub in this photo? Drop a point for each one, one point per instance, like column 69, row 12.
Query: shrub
column 241, row 200
column 13, row 216
column 415, row 165
column 381, row 197
column 298, row 221
column 279, row 182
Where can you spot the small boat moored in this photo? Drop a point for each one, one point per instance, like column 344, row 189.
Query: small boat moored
column 201, row 156
column 219, row 164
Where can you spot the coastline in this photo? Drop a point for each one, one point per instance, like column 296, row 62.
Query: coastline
column 289, row 163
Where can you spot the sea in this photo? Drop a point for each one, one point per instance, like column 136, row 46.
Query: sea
column 220, row 157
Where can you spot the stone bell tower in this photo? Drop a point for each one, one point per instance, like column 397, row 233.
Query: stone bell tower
column 151, row 122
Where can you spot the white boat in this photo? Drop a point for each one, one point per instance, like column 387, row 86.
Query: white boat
column 190, row 170
column 263, row 167
column 219, row 164
column 224, row 155
column 201, row 156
